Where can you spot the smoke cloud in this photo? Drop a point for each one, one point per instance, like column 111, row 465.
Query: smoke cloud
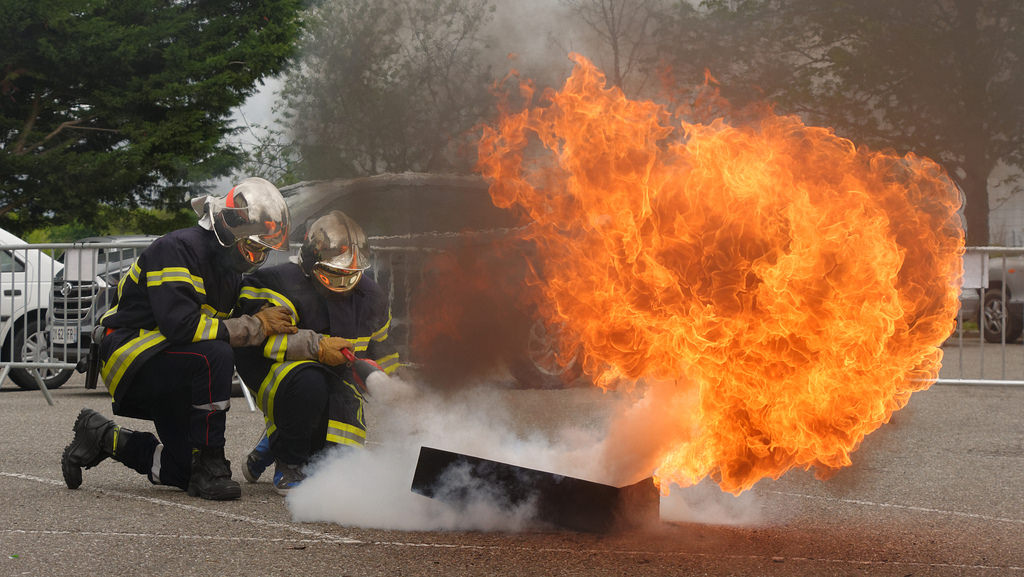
column 564, row 432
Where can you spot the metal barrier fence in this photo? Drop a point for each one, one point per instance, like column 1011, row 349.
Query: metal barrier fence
column 48, row 307
column 986, row 349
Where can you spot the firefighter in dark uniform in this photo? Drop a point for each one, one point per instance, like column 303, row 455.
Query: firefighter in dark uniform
column 166, row 350
column 310, row 396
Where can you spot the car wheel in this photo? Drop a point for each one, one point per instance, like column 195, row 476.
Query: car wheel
column 539, row 367
column 995, row 315
column 30, row 346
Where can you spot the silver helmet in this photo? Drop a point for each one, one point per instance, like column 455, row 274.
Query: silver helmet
column 335, row 252
column 253, row 216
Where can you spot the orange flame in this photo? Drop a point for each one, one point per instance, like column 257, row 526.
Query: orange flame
column 781, row 290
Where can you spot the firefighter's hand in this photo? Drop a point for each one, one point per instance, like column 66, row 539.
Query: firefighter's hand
column 331, row 351
column 276, row 321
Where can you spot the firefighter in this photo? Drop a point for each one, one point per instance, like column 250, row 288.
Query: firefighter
column 166, row 345
column 310, row 396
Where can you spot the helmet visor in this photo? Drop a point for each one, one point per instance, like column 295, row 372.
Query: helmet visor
column 267, row 231
column 253, row 251
column 336, row 279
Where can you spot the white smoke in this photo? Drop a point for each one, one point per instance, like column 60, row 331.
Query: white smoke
column 705, row 503
column 560, row 432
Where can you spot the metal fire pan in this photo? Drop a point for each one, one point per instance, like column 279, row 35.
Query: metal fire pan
column 565, row 502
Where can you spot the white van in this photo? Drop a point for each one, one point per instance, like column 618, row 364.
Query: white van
column 26, row 283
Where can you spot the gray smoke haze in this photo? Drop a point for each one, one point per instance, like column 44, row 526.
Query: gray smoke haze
column 563, row 432
column 533, row 37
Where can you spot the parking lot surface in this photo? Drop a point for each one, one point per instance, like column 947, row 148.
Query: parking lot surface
column 937, row 491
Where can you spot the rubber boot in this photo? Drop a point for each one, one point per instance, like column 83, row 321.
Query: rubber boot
column 211, row 476
column 96, row 438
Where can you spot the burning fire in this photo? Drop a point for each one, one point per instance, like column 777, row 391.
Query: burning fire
column 780, row 290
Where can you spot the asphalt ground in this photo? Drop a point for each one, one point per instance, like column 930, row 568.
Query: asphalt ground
column 937, row 491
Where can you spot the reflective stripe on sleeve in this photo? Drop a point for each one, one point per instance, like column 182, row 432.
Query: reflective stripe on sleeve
column 175, row 274
column 276, row 347
column 389, row 363
column 212, row 312
column 273, row 297
column 206, row 329
column 382, row 333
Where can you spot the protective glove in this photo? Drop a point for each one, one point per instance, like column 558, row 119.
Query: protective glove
column 276, row 321
column 331, row 351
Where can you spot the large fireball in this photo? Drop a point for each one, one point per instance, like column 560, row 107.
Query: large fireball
column 779, row 290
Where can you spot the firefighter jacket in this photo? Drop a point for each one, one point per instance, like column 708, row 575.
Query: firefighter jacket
column 361, row 316
column 179, row 290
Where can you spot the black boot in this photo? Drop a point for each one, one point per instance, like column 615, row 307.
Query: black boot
column 96, row 438
column 211, row 475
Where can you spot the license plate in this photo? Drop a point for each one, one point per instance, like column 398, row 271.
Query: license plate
column 64, row 335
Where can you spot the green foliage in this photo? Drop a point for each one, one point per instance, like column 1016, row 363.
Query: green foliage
column 110, row 103
column 626, row 44
column 273, row 156
column 116, row 221
column 941, row 78
column 389, row 86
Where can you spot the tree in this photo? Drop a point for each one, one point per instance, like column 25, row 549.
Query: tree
column 125, row 103
column 272, row 155
column 389, row 86
column 626, row 29
column 941, row 78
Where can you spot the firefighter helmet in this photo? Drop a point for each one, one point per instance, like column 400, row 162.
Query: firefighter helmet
column 252, row 216
column 334, row 252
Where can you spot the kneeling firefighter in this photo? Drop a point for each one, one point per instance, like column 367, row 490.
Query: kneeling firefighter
column 166, row 352
column 310, row 385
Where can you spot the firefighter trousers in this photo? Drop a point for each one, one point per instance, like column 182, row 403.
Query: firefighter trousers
column 312, row 408
column 186, row 391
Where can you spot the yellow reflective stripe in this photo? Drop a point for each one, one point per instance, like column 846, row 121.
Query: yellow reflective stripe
column 389, row 363
column 212, row 312
column 276, row 347
column 382, row 333
column 110, row 311
column 273, row 297
column 268, row 388
column 113, row 370
column 175, row 274
column 360, row 344
column 206, row 330
column 133, row 273
column 345, row 434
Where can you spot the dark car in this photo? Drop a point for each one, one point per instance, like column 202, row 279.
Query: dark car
column 454, row 266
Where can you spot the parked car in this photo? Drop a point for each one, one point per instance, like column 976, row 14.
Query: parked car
column 25, row 286
column 84, row 289
column 1002, row 303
